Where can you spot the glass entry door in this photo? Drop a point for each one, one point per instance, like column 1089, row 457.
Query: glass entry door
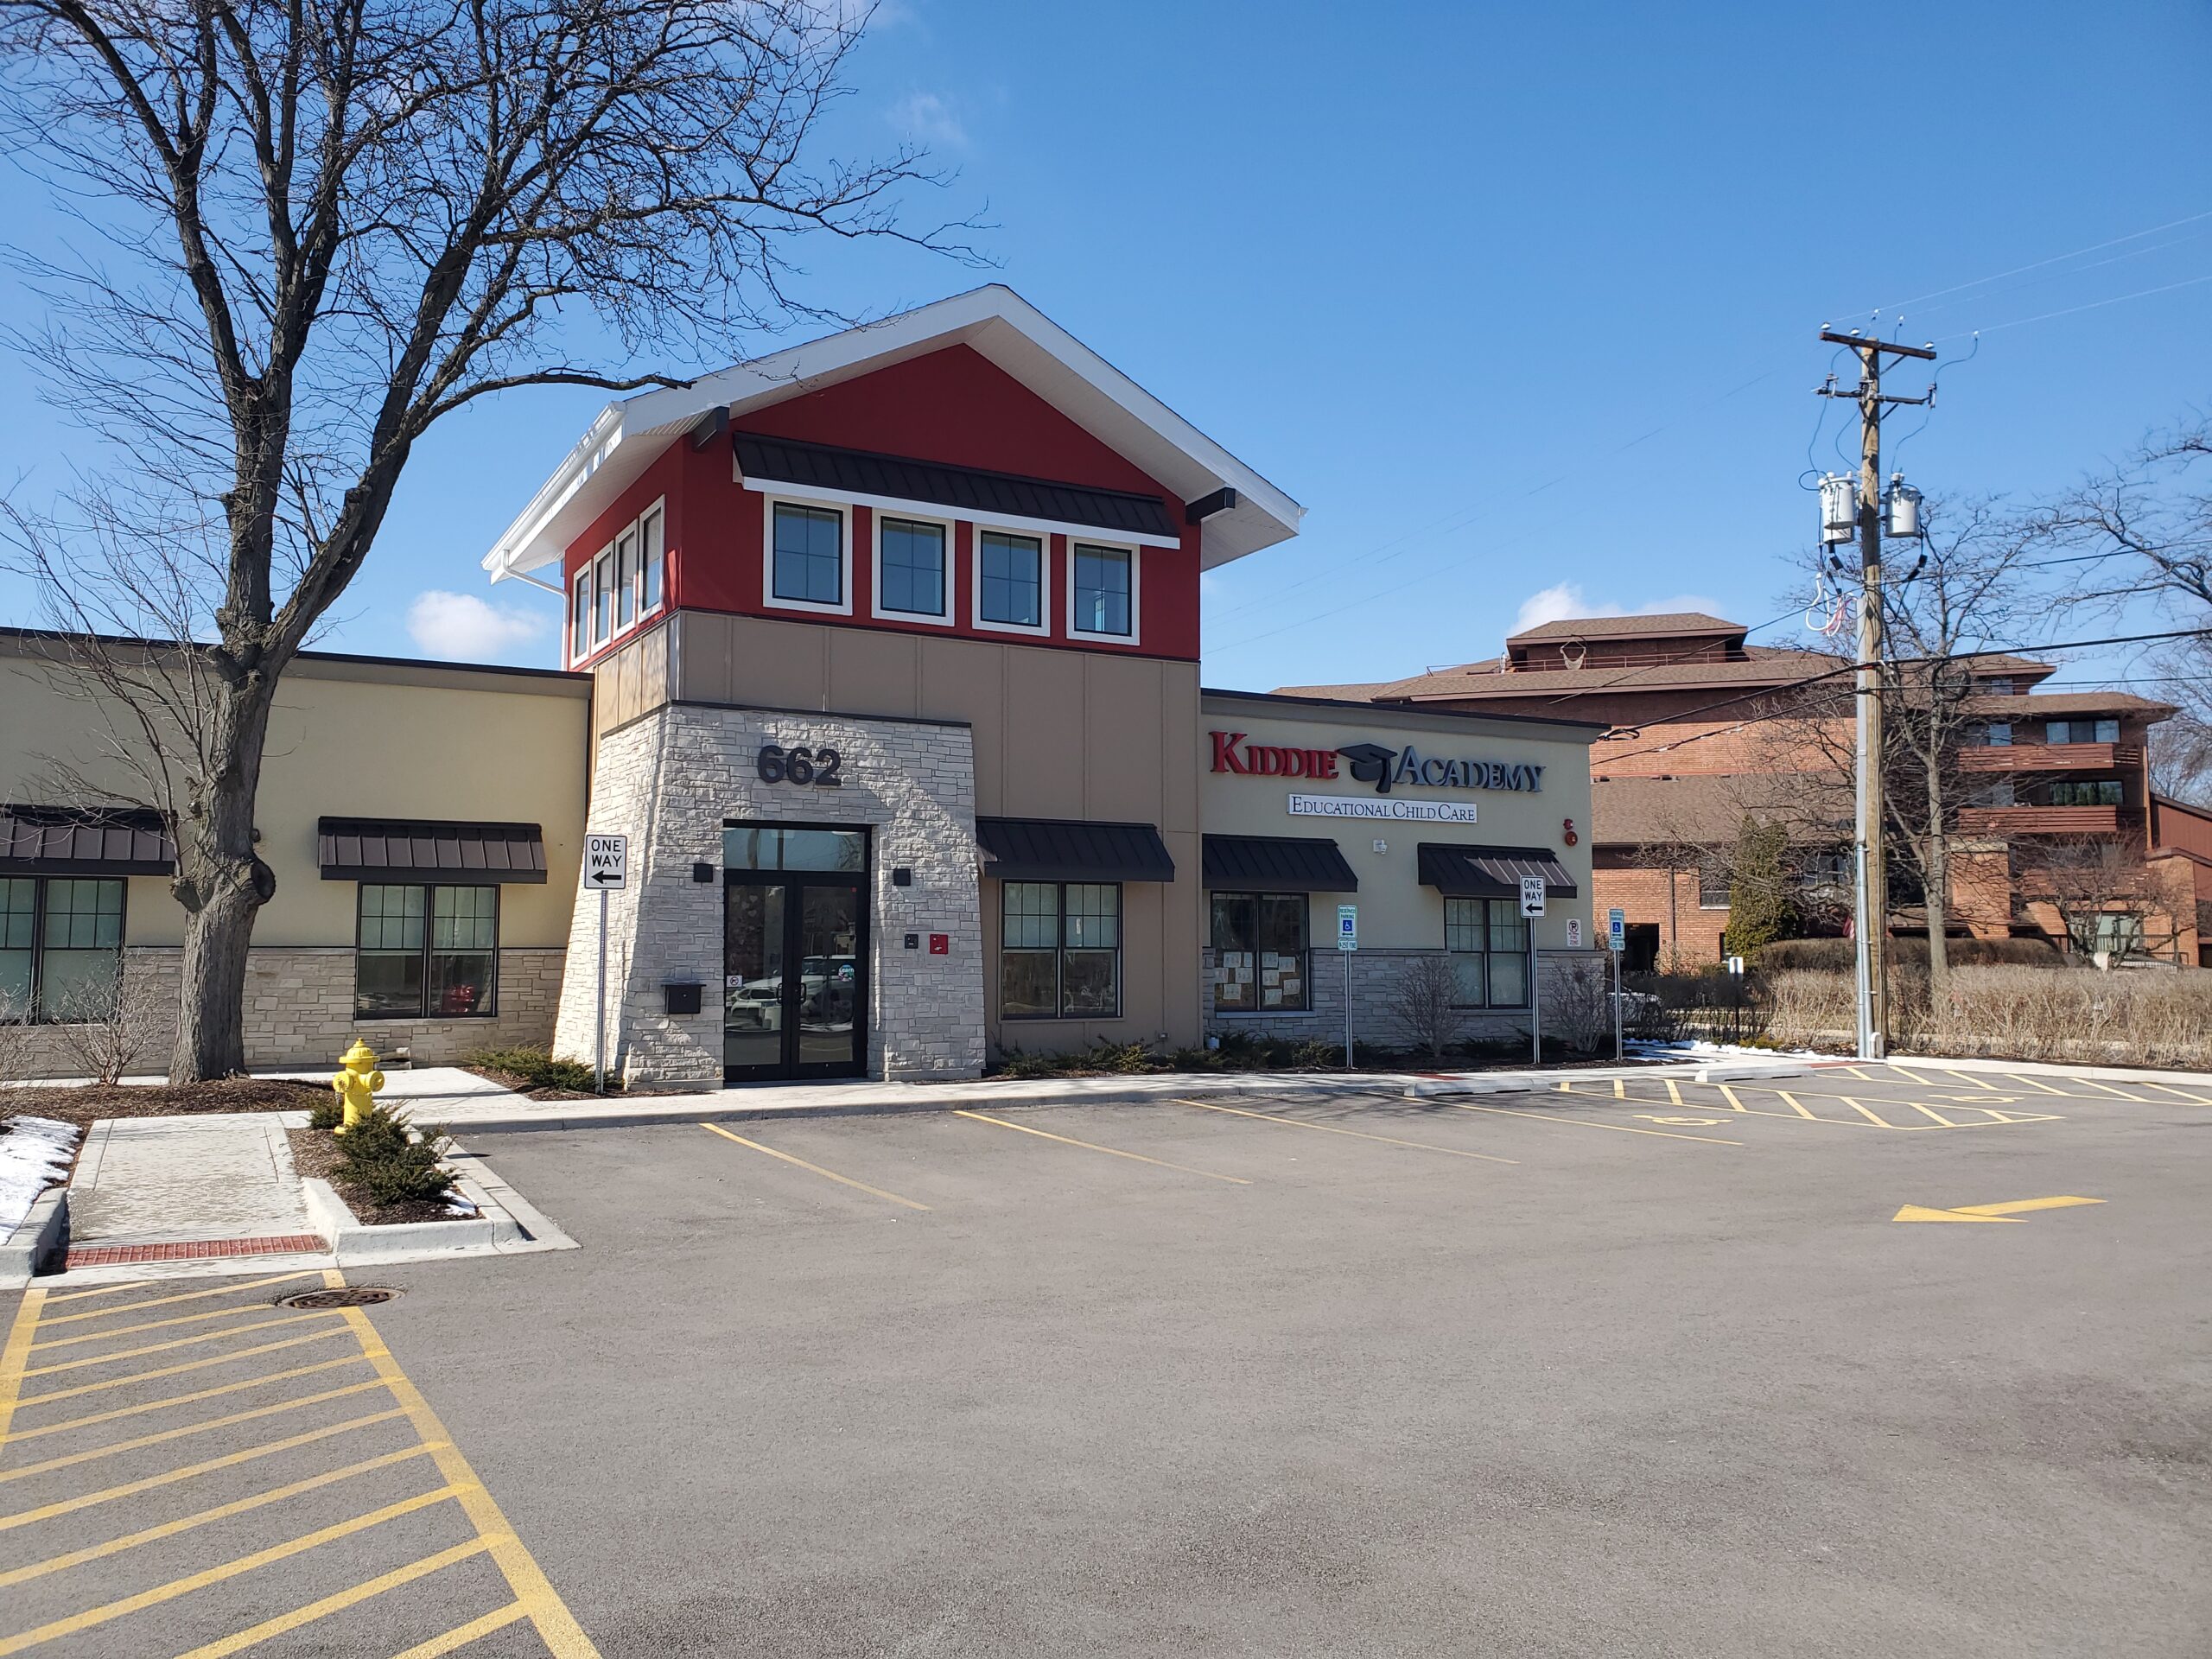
column 794, row 975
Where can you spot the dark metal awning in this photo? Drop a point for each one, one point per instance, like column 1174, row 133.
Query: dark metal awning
column 83, row 841
column 1491, row 872
column 1278, row 864
column 401, row 849
column 965, row 489
column 1072, row 849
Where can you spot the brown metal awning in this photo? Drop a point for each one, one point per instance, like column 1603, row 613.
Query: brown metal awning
column 410, row 849
column 1277, row 864
column 1072, row 849
column 83, row 841
column 1491, row 872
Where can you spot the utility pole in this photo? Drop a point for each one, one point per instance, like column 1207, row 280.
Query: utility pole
column 1870, row 907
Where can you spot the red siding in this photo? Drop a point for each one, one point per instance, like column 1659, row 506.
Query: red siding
column 952, row 406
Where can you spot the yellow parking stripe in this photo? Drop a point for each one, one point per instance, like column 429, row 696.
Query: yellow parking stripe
column 831, row 1174
column 220, row 1512
column 104, row 1290
column 557, row 1626
column 339, row 1602
column 2194, row 1100
column 94, row 1616
column 1111, row 1152
column 1674, row 1091
column 1930, row 1111
column 181, row 1342
column 1869, row 1117
column 1968, row 1077
column 1358, row 1135
column 1734, row 1104
column 229, row 1460
column 1620, row 1089
column 1794, row 1104
column 176, row 1400
column 150, row 1325
column 177, row 1370
column 2033, row 1083
column 438, row 1646
column 114, row 1447
column 2132, row 1100
column 1589, row 1123
column 13, row 1354
column 189, row 1296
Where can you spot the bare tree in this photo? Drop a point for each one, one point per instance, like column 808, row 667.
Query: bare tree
column 2103, row 893
column 2181, row 756
column 330, row 224
column 1423, row 1004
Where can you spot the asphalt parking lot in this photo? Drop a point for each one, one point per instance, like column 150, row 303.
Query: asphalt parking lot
column 1652, row 1369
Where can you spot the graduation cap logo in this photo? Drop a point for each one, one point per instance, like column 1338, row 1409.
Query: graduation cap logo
column 1371, row 764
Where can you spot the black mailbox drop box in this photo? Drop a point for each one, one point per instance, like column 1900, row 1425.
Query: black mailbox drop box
column 680, row 995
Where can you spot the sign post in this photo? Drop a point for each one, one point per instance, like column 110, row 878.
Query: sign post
column 1348, row 945
column 1532, row 910
column 606, row 868
column 1616, row 944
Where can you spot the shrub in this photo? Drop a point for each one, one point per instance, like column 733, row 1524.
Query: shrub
column 1104, row 1055
column 1423, row 1004
column 1314, row 1052
column 1577, row 1006
column 1836, row 955
column 1759, row 907
column 535, row 1068
column 391, row 1165
column 327, row 1116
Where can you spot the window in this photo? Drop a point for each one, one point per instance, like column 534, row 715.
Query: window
column 652, row 536
column 910, row 567
column 1999, row 794
column 1997, row 735
column 808, row 557
column 61, row 947
column 1061, row 950
column 1713, row 886
column 580, row 624
column 626, row 579
column 2081, row 731
column 1487, row 943
column 2106, row 793
column 602, row 598
column 1010, row 589
column 1101, row 590
column 426, row 952
column 760, row 846
column 1259, row 943
column 1998, row 685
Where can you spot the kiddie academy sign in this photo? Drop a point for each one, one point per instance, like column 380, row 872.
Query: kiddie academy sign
column 1371, row 763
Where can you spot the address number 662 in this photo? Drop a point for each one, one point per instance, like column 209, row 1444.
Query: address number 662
column 799, row 765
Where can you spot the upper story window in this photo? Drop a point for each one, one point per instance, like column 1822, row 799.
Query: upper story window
column 2081, row 731
column 2102, row 791
column 909, row 569
column 806, row 557
column 1102, row 592
column 621, row 587
column 1997, row 735
column 1010, row 580
column 652, row 555
column 1998, row 686
column 580, row 619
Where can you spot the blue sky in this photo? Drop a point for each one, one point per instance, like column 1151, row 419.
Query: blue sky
column 1520, row 301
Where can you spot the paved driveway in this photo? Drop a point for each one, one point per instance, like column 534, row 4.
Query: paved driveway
column 1647, row 1371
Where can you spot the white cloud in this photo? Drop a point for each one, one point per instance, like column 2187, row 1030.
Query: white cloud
column 461, row 627
column 930, row 119
column 1565, row 599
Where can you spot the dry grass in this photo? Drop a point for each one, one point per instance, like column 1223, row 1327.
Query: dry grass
column 2134, row 1017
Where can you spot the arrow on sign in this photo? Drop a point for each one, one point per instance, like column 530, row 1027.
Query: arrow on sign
column 1988, row 1212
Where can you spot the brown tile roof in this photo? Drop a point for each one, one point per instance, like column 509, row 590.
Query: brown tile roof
column 1761, row 665
column 1703, row 809
column 1628, row 627
column 2036, row 704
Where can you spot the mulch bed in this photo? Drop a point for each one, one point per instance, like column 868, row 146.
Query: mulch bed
column 547, row 1091
column 81, row 1105
column 315, row 1151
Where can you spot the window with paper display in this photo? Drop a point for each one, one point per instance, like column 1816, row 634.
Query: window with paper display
column 1260, row 953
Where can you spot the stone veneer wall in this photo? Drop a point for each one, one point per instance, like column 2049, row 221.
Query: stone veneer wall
column 669, row 778
column 299, row 1011
column 1371, row 983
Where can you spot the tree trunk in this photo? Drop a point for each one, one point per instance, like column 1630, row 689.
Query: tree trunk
column 1938, row 899
column 222, row 883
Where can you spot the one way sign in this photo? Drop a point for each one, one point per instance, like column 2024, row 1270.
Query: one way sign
column 606, row 863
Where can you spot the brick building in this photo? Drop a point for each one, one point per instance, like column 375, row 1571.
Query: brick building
column 1704, row 728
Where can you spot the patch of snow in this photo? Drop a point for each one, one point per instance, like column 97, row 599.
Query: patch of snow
column 1700, row 1049
column 34, row 1155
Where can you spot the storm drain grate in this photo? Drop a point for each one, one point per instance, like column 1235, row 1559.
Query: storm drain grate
column 341, row 1296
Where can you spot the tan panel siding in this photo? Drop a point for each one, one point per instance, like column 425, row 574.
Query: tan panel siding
column 1047, row 725
column 878, row 672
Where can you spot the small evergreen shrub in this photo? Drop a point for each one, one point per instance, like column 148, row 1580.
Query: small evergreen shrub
column 329, row 1115
column 535, row 1068
column 389, row 1165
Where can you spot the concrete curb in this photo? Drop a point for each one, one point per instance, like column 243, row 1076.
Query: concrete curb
column 353, row 1244
column 37, row 1240
column 2058, row 1069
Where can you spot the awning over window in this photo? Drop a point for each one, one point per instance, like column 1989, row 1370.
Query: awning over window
column 401, row 850
column 1278, row 864
column 1072, row 849
column 969, row 491
column 87, row 841
column 1491, row 872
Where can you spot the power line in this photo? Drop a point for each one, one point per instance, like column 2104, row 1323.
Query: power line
column 2054, row 259
column 2093, row 305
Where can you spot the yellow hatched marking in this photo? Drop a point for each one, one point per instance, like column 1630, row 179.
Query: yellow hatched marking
column 342, row 1600
column 2036, row 1083
column 1620, row 1089
column 2194, row 1100
column 150, row 1325
column 189, row 1296
column 167, row 1347
column 1589, row 1123
column 1092, row 1146
column 1968, row 1079
column 2132, row 1100
column 1795, row 1104
column 110, row 1449
column 557, row 1626
column 831, row 1174
column 14, row 1352
column 220, row 1512
column 1878, row 1121
column 1357, row 1134
column 95, row 1616
column 1858, row 1071
column 178, row 1400
column 1930, row 1111
column 2019, row 1206
column 178, row 1371
column 1734, row 1103
column 104, row 1290
column 1673, row 1092
column 229, row 1460
column 1787, row 1117
column 438, row 1646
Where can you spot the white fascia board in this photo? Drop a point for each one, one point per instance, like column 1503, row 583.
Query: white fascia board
column 999, row 323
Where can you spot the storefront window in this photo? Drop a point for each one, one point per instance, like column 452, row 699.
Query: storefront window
column 1060, row 950
column 1012, row 589
column 913, row 567
column 1102, row 589
column 1259, row 942
column 61, row 947
column 1487, row 941
column 426, row 952
column 810, row 561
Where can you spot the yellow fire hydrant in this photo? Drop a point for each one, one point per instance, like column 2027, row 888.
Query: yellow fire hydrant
column 356, row 1086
